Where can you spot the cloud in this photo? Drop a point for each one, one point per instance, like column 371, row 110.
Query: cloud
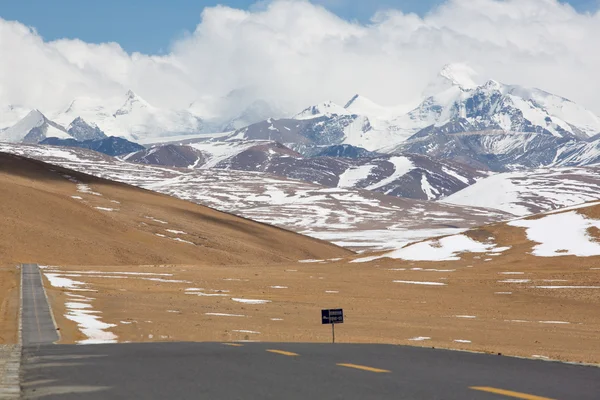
column 294, row 53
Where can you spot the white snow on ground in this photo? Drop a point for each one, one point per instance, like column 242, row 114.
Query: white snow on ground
column 554, row 322
column 445, row 249
column 165, row 280
column 533, row 191
column 250, row 301
column 215, row 152
column 429, row 190
column 422, row 283
column 203, row 294
column 245, row 331
column 402, row 166
column 182, row 241
column 358, row 219
column 81, row 312
column 420, row 338
column 456, row 175
column 81, row 188
column 310, row 261
column 515, row 281
column 223, row 314
column 353, row 175
column 462, row 341
column 105, row 209
column 539, row 356
column 279, row 287
column 563, row 234
column 176, row 232
column 77, row 197
column 90, row 325
column 156, row 220
column 56, row 280
column 577, row 207
column 465, row 316
column 332, row 291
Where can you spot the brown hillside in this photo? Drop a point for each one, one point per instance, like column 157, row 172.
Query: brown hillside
column 41, row 222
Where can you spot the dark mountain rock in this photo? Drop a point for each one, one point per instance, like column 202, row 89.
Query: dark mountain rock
column 112, row 146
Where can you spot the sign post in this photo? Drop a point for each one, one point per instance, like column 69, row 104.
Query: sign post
column 332, row 316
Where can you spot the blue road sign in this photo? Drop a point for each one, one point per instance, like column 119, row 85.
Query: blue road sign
column 332, row 316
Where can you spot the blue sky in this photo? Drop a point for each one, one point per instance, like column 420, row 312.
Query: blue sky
column 149, row 26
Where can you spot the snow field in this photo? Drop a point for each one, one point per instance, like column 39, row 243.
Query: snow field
column 561, row 234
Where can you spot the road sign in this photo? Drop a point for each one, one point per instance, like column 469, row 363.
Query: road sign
column 333, row 316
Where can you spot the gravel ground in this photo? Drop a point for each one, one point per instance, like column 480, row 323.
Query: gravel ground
column 10, row 359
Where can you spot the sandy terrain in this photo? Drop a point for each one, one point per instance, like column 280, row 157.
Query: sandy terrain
column 50, row 215
column 473, row 305
column 9, row 304
column 133, row 264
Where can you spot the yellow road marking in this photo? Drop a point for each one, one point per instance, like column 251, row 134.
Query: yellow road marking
column 285, row 353
column 233, row 344
column 509, row 393
column 364, row 368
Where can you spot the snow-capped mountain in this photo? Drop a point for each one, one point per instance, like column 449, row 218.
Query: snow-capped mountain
column 257, row 111
column 457, row 101
column 33, row 128
column 354, row 218
column 319, row 125
column 498, row 107
column 131, row 117
column 112, row 146
column 410, row 176
column 532, row 191
column 81, row 130
column 502, row 151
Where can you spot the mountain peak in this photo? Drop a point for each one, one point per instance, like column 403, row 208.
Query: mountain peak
column 130, row 95
column 82, row 130
column 459, row 74
column 492, row 84
column 132, row 100
column 327, row 109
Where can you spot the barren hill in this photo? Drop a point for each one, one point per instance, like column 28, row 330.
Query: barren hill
column 53, row 215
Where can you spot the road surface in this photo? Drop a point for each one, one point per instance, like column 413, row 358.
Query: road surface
column 285, row 371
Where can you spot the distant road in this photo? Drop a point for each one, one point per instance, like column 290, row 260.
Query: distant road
column 37, row 323
column 278, row 370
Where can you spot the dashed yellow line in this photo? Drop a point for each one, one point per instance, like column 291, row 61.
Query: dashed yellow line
column 285, row 353
column 364, row 368
column 509, row 393
column 233, row 344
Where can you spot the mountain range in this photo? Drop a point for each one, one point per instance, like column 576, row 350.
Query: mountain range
column 463, row 129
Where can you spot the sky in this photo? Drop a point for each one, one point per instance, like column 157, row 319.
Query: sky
column 151, row 26
column 289, row 53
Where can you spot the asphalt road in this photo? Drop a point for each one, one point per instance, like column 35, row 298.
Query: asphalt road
column 37, row 323
column 251, row 371
column 280, row 370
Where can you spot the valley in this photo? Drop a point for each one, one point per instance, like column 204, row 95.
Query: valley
column 433, row 227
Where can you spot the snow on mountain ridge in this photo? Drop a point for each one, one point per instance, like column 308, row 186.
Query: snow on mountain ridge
column 325, row 109
column 33, row 128
column 131, row 117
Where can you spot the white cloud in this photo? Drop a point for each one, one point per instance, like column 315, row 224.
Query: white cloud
column 294, row 53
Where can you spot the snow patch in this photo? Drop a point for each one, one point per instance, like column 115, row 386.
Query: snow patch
column 250, row 301
column 562, row 234
column 422, row 283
